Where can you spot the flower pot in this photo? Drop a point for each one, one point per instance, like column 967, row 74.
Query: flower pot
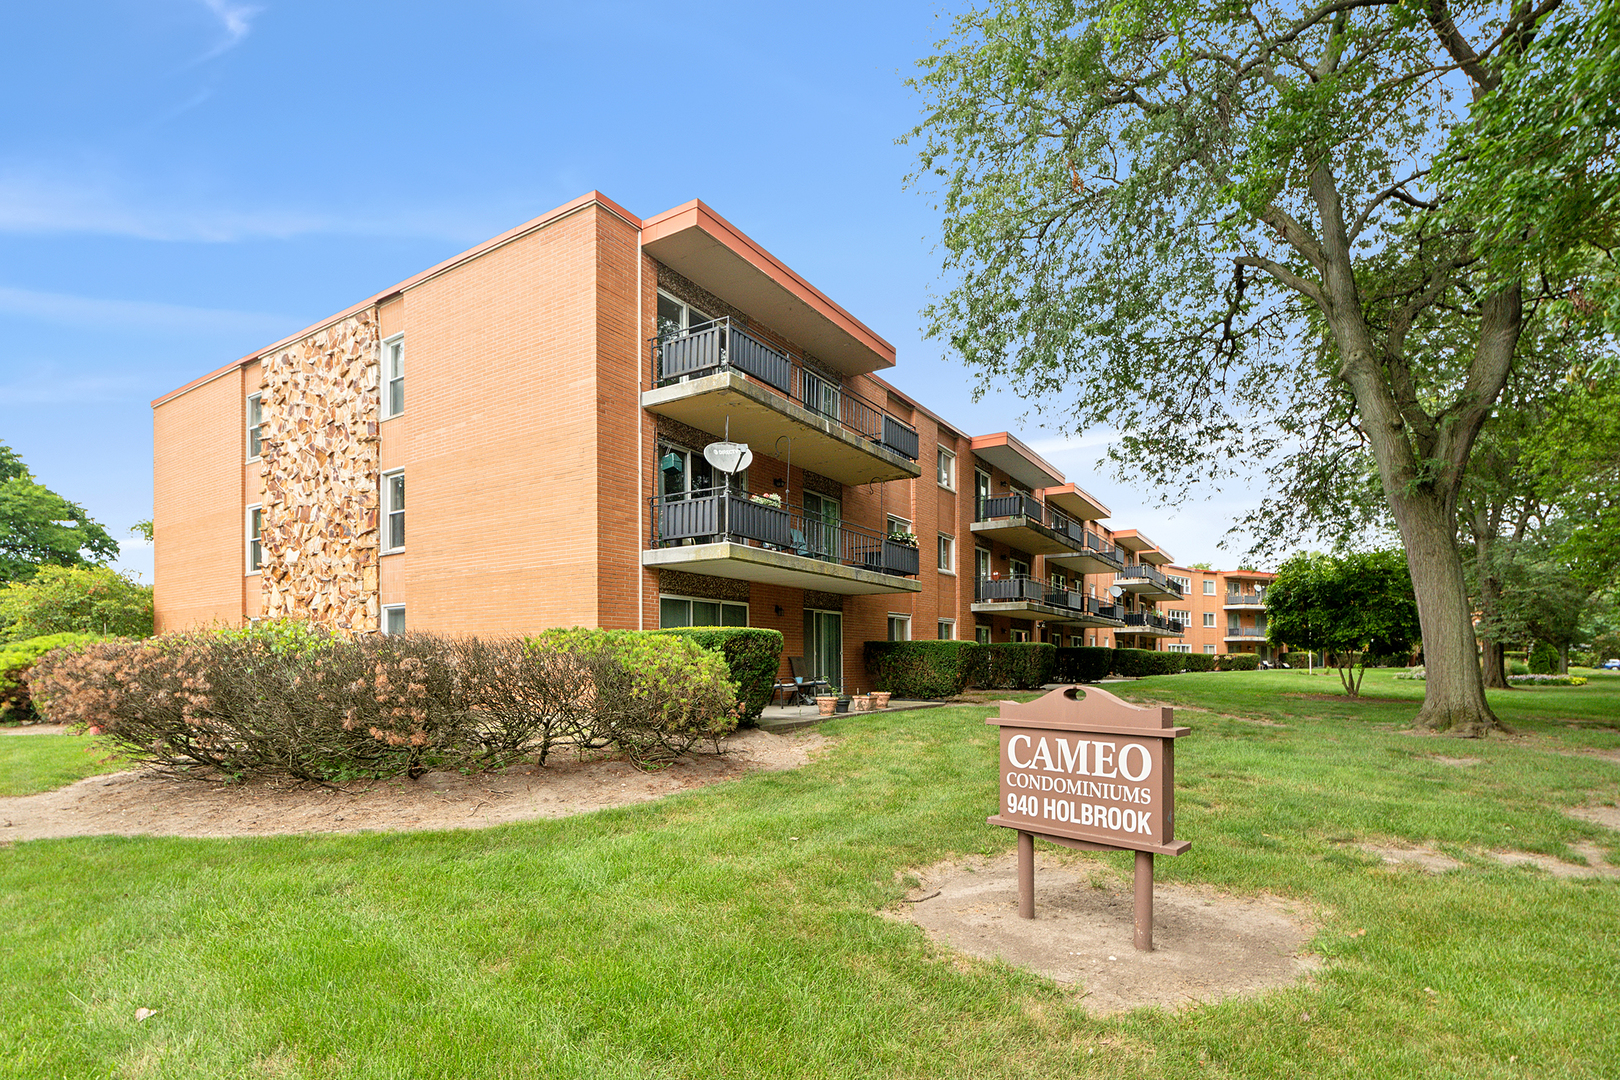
column 825, row 705
column 843, row 704
column 860, row 703
column 880, row 699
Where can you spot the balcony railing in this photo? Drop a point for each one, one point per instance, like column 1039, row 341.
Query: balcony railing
column 1150, row 621
column 1147, row 572
column 721, row 346
column 1246, row 631
column 1013, row 589
column 1244, row 599
column 714, row 516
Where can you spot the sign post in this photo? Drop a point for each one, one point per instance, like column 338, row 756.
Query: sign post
column 1083, row 769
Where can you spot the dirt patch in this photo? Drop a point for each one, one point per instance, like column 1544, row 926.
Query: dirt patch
column 34, row 729
column 1598, row 865
column 137, row 803
column 1207, row 945
column 1459, row 762
column 1425, row 859
column 1606, row 816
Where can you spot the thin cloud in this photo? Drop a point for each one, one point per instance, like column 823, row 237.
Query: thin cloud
column 237, row 19
column 67, row 309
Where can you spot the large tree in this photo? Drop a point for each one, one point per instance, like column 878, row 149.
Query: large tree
column 38, row 527
column 1216, row 226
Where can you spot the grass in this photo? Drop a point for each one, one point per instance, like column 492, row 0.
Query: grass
column 734, row 930
column 35, row 763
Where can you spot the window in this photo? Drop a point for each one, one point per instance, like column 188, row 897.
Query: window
column 824, row 645
column 1059, row 581
column 687, row 611
column 1209, row 586
column 899, row 627
column 255, row 539
column 947, row 469
column 947, row 554
column 981, row 634
column 393, row 619
column 1209, row 649
column 683, row 473
column 981, row 563
column 981, row 492
column 947, row 629
column 1209, row 619
column 393, row 511
column 1182, row 617
column 1185, row 583
column 255, row 425
column 677, row 315
column 394, row 376
column 1076, row 641
column 1019, row 635
column 1018, row 568
column 899, row 526
column 1179, row 648
column 822, row 518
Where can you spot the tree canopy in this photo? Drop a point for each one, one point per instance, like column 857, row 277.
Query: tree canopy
column 75, row 599
column 38, row 527
column 1231, row 231
column 1347, row 606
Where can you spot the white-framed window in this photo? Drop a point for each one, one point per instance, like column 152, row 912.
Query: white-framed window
column 677, row 315
column 1182, row 617
column 691, row 611
column 393, row 506
column 899, row 627
column 1209, row 619
column 898, row 525
column 1018, row 568
column 1076, row 641
column 255, row 539
column 1059, row 581
column 1210, row 649
column 981, row 492
column 255, row 426
column 393, row 376
column 947, row 554
column 981, row 634
column 947, row 629
column 947, row 469
column 1185, row 583
column 1018, row 635
column 1179, row 648
column 1209, row 586
column 393, row 619
column 981, row 563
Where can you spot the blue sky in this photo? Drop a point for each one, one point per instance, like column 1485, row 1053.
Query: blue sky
column 183, row 181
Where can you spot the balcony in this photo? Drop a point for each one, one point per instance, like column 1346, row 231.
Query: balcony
column 1152, row 624
column 1245, row 633
column 720, row 373
column 1147, row 582
column 1024, row 522
column 1026, row 598
column 1096, row 555
column 726, row 534
column 1243, row 600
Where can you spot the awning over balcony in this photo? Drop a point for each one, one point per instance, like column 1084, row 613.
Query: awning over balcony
column 1147, row 582
column 699, row 244
column 1075, row 502
column 1021, row 522
column 1016, row 460
column 750, row 563
column 1027, row 598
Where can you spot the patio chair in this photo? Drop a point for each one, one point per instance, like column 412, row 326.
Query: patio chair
column 806, row 685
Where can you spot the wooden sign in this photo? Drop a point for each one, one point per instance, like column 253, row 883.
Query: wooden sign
column 1083, row 769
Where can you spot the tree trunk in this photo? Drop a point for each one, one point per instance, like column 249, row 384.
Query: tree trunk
column 1453, row 686
column 1563, row 658
column 1494, row 661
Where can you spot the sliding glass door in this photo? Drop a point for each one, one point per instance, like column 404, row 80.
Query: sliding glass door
column 824, row 645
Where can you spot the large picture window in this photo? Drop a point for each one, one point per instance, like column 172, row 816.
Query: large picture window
column 688, row 611
column 393, row 497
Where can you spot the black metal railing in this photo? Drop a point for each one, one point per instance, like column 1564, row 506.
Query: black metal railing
column 1032, row 590
column 1246, row 631
column 1145, row 572
column 721, row 345
column 1149, row 620
column 714, row 515
column 1245, row 599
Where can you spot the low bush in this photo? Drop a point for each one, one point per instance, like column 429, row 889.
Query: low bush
column 1517, row 667
column 922, row 670
column 753, row 657
column 75, row 600
column 1139, row 663
column 1083, row 664
column 16, row 704
column 1016, row 665
column 1240, row 661
column 1199, row 661
column 1547, row 679
column 294, row 701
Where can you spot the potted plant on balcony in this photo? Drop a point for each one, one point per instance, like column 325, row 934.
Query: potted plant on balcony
column 767, row 498
column 904, row 539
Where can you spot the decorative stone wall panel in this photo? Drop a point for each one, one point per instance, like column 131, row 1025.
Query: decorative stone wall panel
column 320, row 398
column 701, row 586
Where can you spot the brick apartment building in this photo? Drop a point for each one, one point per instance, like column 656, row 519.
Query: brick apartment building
column 546, row 397
column 1224, row 611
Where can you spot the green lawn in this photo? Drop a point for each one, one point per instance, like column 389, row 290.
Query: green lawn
column 33, row 763
column 733, row 931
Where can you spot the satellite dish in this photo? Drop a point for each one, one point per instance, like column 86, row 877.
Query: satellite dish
column 1115, row 591
column 1261, row 589
column 728, row 457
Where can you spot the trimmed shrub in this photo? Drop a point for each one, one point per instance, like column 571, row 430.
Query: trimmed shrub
column 16, row 704
column 1240, row 661
column 291, row 700
column 753, row 657
column 1017, row 665
column 1139, row 663
column 922, row 670
column 1199, row 661
column 1543, row 659
column 1083, row 664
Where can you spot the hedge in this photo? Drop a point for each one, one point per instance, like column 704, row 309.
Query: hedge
column 1199, row 661
column 753, row 656
column 16, row 659
column 1138, row 663
column 923, row 670
column 1017, row 665
column 1083, row 664
column 1240, row 661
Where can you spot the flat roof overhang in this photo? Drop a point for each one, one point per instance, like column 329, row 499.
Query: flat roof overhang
column 1075, row 502
column 741, row 562
column 1083, row 562
column 1131, row 540
column 699, row 244
column 1030, row 609
column 1016, row 460
column 760, row 416
column 1146, row 588
column 1024, row 533
column 1155, row 556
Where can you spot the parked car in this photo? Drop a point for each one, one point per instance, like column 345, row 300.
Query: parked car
column 1611, row 664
